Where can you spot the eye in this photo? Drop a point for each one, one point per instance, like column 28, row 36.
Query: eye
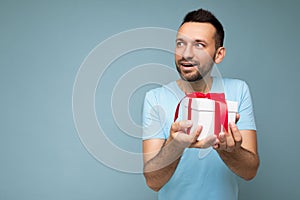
column 199, row 45
column 179, row 44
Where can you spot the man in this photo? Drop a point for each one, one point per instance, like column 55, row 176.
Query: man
column 172, row 165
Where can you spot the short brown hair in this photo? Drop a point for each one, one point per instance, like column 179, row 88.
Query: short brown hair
column 205, row 16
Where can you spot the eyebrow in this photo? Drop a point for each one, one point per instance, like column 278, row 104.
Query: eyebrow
column 196, row 40
column 200, row 41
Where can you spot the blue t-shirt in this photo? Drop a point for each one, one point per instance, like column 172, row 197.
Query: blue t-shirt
column 196, row 177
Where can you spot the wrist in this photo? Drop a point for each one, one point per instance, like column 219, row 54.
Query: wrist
column 234, row 151
column 174, row 144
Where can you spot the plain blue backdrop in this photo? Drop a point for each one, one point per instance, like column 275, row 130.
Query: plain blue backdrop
column 42, row 45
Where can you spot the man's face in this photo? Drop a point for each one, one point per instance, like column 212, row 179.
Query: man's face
column 195, row 50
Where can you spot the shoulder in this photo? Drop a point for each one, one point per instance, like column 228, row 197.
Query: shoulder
column 169, row 90
column 233, row 82
column 235, row 89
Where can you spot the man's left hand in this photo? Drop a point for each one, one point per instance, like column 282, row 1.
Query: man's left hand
column 231, row 140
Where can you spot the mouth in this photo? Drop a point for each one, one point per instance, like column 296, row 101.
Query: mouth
column 187, row 65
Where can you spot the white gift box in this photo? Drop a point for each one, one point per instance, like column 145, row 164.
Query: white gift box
column 203, row 113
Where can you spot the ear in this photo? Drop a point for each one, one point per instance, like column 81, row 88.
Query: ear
column 220, row 54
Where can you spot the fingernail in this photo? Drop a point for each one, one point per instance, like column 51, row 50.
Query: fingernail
column 189, row 122
column 222, row 135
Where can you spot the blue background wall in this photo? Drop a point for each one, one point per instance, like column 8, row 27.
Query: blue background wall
column 42, row 45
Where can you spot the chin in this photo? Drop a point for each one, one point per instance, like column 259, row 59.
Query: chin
column 191, row 78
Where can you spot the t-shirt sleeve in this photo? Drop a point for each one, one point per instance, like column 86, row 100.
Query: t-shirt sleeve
column 246, row 121
column 153, row 117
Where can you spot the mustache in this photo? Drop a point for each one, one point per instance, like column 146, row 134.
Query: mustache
column 193, row 62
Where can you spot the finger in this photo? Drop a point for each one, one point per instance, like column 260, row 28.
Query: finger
column 236, row 134
column 181, row 125
column 230, row 143
column 196, row 133
column 222, row 141
column 205, row 142
column 237, row 117
column 216, row 145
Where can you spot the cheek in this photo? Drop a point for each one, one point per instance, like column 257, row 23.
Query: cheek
column 179, row 52
column 177, row 56
column 205, row 56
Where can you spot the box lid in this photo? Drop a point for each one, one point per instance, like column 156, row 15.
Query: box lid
column 204, row 104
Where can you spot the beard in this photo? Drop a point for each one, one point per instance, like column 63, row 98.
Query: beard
column 194, row 74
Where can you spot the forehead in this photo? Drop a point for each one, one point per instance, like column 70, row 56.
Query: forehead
column 196, row 31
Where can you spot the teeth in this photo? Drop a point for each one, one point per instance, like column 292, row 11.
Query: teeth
column 188, row 65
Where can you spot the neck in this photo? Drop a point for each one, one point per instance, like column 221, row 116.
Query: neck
column 203, row 85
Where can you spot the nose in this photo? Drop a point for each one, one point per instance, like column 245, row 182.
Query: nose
column 188, row 52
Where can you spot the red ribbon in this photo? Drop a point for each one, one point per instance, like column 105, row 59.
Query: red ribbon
column 221, row 112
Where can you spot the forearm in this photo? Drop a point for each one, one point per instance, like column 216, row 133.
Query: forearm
column 242, row 162
column 160, row 168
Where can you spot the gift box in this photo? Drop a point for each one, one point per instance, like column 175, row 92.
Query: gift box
column 207, row 112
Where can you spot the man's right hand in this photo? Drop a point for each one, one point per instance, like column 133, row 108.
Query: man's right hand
column 178, row 134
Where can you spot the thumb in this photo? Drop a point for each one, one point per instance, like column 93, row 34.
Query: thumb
column 181, row 126
column 196, row 133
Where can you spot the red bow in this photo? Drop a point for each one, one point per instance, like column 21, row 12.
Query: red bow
column 221, row 112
